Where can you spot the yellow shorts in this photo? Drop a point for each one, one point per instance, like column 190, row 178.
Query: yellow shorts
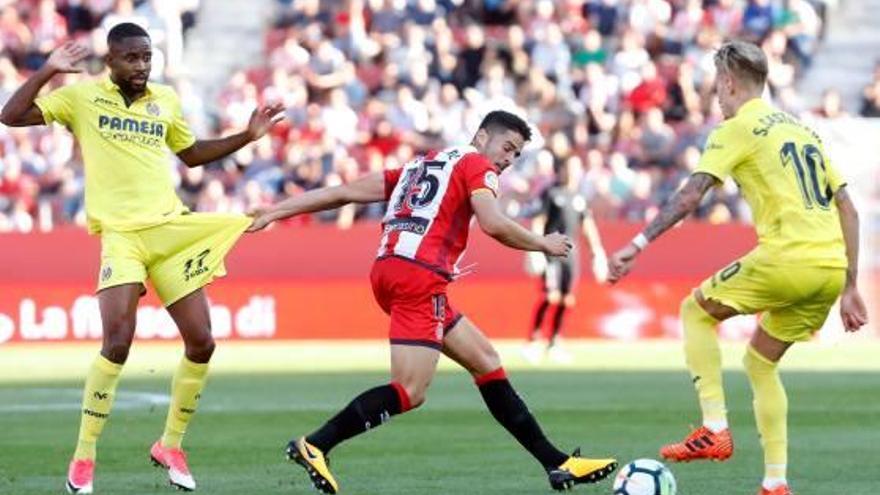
column 794, row 300
column 179, row 257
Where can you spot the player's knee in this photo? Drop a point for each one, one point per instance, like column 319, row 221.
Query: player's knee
column 489, row 361
column 201, row 349
column 691, row 310
column 756, row 364
column 117, row 340
column 116, row 350
column 569, row 300
column 688, row 305
column 554, row 296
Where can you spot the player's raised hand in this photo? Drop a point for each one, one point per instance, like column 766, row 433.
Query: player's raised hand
column 621, row 262
column 66, row 56
column 263, row 118
column 557, row 244
column 852, row 310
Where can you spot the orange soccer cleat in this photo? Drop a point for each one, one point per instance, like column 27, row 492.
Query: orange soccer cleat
column 700, row 444
column 779, row 490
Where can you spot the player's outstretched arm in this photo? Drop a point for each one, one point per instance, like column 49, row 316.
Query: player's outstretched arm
column 20, row 110
column 207, row 150
column 367, row 189
column 852, row 308
column 681, row 205
column 499, row 226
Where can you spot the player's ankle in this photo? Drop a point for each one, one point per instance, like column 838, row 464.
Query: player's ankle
column 773, row 483
column 715, row 425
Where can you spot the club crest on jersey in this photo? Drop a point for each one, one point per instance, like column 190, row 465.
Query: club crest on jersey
column 153, row 109
column 491, row 181
column 106, row 273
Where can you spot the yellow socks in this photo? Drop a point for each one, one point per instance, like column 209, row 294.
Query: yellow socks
column 703, row 357
column 186, row 388
column 100, row 390
column 771, row 410
column 98, row 394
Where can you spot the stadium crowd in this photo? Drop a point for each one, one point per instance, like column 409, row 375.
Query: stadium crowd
column 622, row 87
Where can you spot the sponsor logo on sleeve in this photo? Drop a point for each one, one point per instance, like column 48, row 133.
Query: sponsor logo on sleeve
column 491, row 181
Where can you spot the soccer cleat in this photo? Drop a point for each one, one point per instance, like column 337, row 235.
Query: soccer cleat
column 700, row 444
column 174, row 460
column 80, row 475
column 779, row 490
column 577, row 470
column 313, row 461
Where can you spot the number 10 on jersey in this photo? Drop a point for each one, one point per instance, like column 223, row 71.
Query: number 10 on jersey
column 814, row 188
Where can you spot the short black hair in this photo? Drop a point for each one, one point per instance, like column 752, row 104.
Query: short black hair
column 507, row 120
column 125, row 30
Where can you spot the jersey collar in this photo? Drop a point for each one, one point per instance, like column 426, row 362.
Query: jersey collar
column 108, row 85
column 751, row 104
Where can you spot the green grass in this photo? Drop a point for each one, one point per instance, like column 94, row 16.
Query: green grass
column 449, row 446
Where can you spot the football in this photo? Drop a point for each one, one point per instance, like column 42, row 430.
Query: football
column 644, row 477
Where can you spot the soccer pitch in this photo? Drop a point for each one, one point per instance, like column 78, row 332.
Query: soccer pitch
column 621, row 399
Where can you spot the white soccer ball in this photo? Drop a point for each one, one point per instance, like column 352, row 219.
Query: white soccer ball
column 644, row 477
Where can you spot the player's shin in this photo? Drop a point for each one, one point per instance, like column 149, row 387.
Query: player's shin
column 558, row 317
column 538, row 319
column 368, row 410
column 98, row 394
column 186, row 389
column 508, row 409
column 771, row 409
column 703, row 356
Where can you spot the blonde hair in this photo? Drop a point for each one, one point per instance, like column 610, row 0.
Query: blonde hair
column 745, row 61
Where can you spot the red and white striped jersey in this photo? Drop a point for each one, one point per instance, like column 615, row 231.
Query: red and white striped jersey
column 429, row 210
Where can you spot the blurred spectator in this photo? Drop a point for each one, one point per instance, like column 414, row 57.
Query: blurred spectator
column 757, row 19
column 831, row 106
column 802, row 27
column 871, row 96
column 591, row 51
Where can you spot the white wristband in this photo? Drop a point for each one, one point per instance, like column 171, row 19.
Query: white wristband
column 640, row 241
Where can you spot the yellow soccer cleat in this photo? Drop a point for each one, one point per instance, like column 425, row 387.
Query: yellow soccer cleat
column 577, row 470
column 313, row 461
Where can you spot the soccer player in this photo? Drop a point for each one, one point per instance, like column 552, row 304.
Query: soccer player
column 431, row 201
column 125, row 127
column 807, row 256
column 564, row 210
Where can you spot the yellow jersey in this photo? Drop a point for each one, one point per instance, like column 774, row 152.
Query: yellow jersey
column 786, row 178
column 128, row 184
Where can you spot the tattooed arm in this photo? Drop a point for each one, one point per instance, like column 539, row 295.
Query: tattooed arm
column 681, row 205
